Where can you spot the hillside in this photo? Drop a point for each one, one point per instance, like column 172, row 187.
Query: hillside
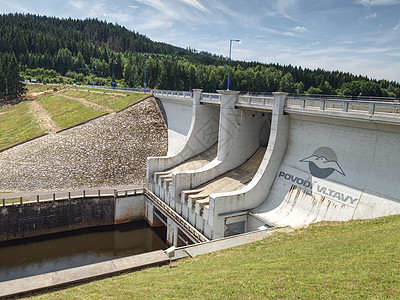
column 83, row 51
column 106, row 152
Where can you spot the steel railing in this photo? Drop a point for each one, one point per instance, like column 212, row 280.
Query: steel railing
column 175, row 216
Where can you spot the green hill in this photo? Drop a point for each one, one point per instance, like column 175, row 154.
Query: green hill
column 82, row 51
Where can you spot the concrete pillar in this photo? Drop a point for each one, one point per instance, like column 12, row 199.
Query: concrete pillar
column 197, row 96
column 279, row 102
column 229, row 122
column 172, row 233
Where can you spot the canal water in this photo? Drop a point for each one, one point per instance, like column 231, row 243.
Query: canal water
column 34, row 256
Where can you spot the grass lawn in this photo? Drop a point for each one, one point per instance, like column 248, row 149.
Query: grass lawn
column 17, row 125
column 66, row 112
column 37, row 88
column 115, row 100
column 354, row 260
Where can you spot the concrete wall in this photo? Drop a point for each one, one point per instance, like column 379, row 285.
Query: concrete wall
column 179, row 119
column 194, row 129
column 359, row 181
column 38, row 218
column 238, row 139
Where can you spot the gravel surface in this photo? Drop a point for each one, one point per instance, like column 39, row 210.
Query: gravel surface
column 110, row 151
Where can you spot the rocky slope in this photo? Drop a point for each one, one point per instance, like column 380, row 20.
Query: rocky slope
column 110, row 151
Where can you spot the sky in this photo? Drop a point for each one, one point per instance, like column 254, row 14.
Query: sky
column 357, row 36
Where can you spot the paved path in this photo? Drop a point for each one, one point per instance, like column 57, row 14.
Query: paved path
column 43, row 195
column 68, row 276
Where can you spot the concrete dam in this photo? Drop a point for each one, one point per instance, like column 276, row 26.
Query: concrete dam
column 238, row 163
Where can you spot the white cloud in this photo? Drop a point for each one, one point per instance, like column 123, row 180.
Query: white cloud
column 368, row 3
column 167, row 10
column 397, row 26
column 371, row 16
column 197, row 5
column 300, row 28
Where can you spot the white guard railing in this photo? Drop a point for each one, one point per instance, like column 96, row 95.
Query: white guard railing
column 181, row 94
column 211, row 97
column 365, row 105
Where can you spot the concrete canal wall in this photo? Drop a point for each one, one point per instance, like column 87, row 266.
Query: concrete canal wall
column 45, row 217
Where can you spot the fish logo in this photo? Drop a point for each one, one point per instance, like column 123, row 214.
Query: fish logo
column 323, row 162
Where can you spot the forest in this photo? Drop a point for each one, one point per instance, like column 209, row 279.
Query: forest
column 53, row 50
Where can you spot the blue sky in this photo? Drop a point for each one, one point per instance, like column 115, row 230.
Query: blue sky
column 356, row 36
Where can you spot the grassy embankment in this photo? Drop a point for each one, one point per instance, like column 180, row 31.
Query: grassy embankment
column 353, row 260
column 18, row 124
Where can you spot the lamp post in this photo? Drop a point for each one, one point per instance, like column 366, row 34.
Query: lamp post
column 113, row 78
column 93, row 67
column 230, row 52
column 145, row 70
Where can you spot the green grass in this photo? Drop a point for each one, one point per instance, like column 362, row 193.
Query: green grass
column 17, row 125
column 354, row 260
column 66, row 112
column 37, row 88
column 115, row 100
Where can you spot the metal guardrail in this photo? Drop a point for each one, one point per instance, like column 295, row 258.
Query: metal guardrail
column 181, row 94
column 75, row 195
column 338, row 103
column 175, row 216
column 210, row 97
column 370, row 107
column 115, row 194
column 256, row 100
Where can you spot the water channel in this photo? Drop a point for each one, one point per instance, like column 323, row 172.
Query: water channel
column 34, row 256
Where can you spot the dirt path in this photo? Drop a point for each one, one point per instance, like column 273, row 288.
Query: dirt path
column 88, row 103
column 44, row 119
column 108, row 93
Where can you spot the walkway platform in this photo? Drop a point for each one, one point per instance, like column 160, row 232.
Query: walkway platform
column 224, row 243
column 68, row 276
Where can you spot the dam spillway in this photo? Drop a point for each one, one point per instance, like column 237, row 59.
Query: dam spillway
column 325, row 159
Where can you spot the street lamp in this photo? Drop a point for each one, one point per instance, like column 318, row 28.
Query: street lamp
column 230, row 51
column 113, row 78
column 145, row 69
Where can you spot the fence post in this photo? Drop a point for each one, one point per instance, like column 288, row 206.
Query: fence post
column 69, row 195
column 322, row 104
column 20, row 200
column 4, row 202
column 54, row 197
column 98, row 193
column 303, row 103
column 345, row 106
column 115, row 194
column 37, row 198
column 84, row 194
column 371, row 108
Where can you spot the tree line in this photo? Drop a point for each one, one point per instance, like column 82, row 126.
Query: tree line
column 94, row 51
column 11, row 82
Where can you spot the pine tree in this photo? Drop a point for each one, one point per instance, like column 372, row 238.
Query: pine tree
column 14, row 85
